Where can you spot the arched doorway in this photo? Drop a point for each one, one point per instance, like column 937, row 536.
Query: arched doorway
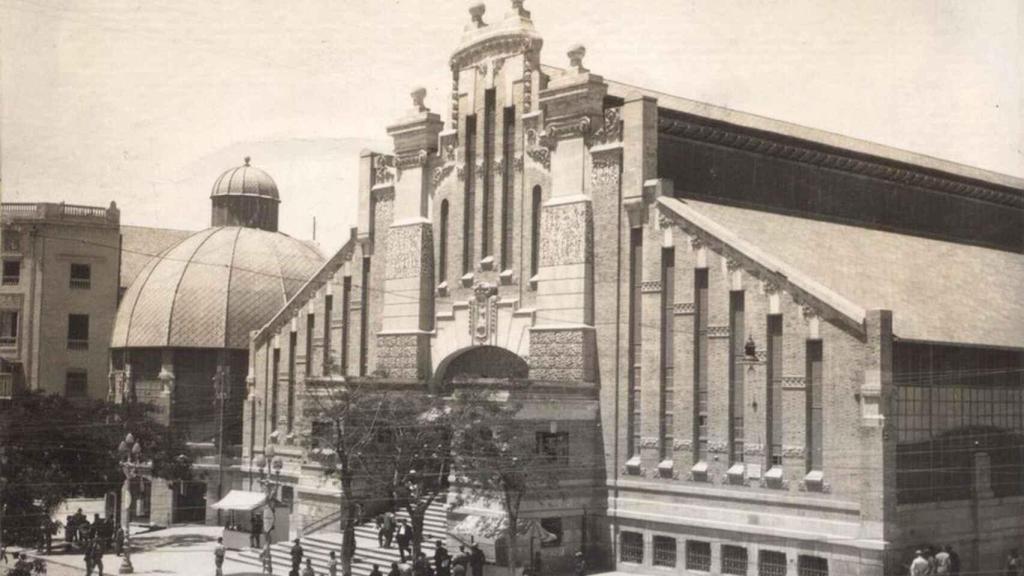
column 481, row 362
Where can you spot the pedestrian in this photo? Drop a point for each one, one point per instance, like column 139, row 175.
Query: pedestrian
column 461, row 559
column 308, row 571
column 97, row 556
column 256, row 530
column 375, row 571
column 420, row 566
column 218, row 557
column 477, row 560
column 942, row 561
column 394, row 570
column 3, row 553
column 442, row 560
column 296, row 558
column 954, row 561
column 119, row 540
column 332, row 564
column 1013, row 564
column 388, row 525
column 919, row 567
column 90, row 563
column 579, row 567
column 404, row 536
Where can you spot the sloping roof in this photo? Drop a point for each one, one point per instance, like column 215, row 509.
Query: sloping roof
column 140, row 244
column 212, row 289
column 938, row 291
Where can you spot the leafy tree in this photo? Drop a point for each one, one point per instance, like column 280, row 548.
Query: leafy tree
column 56, row 448
column 496, row 456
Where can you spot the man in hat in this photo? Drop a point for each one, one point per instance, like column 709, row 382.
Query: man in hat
column 297, row 554
column 920, row 566
column 476, row 560
column 442, row 561
column 579, row 564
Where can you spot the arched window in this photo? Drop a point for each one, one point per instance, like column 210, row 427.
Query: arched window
column 535, row 232
column 442, row 248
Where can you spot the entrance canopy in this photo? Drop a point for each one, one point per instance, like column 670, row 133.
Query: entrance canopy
column 241, row 500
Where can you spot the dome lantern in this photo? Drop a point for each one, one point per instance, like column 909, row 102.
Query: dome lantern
column 245, row 196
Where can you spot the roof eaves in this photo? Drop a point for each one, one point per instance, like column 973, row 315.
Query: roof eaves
column 302, row 295
column 718, row 236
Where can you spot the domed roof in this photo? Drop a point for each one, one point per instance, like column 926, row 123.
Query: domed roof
column 212, row 288
column 245, row 180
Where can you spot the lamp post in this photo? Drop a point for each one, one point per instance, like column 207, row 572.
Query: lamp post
column 129, row 453
column 269, row 467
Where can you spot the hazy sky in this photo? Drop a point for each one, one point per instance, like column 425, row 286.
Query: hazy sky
column 146, row 102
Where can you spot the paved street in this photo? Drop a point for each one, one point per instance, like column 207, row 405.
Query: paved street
column 181, row 550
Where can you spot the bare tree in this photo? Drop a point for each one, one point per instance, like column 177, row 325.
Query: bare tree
column 498, row 457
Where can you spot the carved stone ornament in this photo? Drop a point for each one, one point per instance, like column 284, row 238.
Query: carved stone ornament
column 649, row 442
column 460, row 172
column 696, row 243
column 683, row 308
column 540, row 156
column 651, row 287
column 483, row 312
column 604, row 170
column 412, row 160
column 442, row 172
column 716, row 447
column 684, row 445
column 809, row 313
column 664, row 222
column 481, row 169
column 383, row 169
column 792, row 451
column 610, row 130
column 517, row 164
column 498, row 166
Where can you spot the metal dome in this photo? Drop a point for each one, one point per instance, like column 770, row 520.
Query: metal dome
column 213, row 288
column 245, row 180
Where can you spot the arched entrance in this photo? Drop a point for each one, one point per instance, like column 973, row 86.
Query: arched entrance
column 481, row 362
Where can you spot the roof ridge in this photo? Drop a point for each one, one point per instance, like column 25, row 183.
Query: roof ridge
column 177, row 285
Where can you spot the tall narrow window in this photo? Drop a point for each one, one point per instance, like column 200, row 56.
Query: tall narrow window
column 815, row 401
column 8, row 328
column 535, row 231
column 364, row 320
column 328, row 304
column 636, row 254
column 274, row 379
column 469, row 200
column 78, row 331
column 508, row 155
column 736, row 375
column 487, row 203
column 81, row 276
column 442, row 244
column 346, row 306
column 12, row 272
column 774, row 408
column 310, row 327
column 293, row 340
column 700, row 364
column 668, row 296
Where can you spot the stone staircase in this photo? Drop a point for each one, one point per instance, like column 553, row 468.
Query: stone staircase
column 318, row 546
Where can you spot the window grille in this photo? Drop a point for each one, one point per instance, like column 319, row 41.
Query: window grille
column 812, row 566
column 554, row 446
column 771, row 563
column 698, row 556
column 632, row 547
column 665, row 551
column 78, row 331
column 81, row 276
column 12, row 272
column 76, row 384
column 734, row 560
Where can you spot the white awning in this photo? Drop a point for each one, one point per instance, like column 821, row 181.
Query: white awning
column 241, row 500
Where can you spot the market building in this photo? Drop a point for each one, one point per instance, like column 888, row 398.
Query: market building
column 181, row 335
column 785, row 351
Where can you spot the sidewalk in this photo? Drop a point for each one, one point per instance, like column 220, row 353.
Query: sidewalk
column 179, row 550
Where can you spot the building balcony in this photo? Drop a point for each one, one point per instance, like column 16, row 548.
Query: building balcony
column 66, row 212
column 81, row 283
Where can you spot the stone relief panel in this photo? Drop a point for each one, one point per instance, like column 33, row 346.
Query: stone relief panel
column 558, row 355
column 406, row 251
column 566, row 234
column 397, row 355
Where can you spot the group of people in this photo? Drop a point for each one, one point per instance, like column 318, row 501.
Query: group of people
column 388, row 531
column 79, row 530
column 928, row 562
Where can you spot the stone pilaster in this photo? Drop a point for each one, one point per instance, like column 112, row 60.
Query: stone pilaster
column 408, row 282
column 877, row 443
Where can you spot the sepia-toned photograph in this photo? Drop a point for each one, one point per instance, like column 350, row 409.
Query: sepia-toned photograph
column 512, row 288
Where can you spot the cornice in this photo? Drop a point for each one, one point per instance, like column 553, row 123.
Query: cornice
column 739, row 140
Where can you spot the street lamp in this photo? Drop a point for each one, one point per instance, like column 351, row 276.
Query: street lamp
column 129, row 453
column 269, row 467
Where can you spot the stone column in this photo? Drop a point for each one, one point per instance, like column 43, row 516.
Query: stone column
column 408, row 287
column 562, row 339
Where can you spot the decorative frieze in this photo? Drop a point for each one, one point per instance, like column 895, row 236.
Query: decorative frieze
column 649, row 442
column 718, row 447
column 605, row 170
column 718, row 331
column 683, row 309
column 807, row 155
column 566, row 234
column 407, row 257
column 682, row 445
column 751, row 449
column 442, row 172
column 793, row 383
column 650, row 287
column 793, row 452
